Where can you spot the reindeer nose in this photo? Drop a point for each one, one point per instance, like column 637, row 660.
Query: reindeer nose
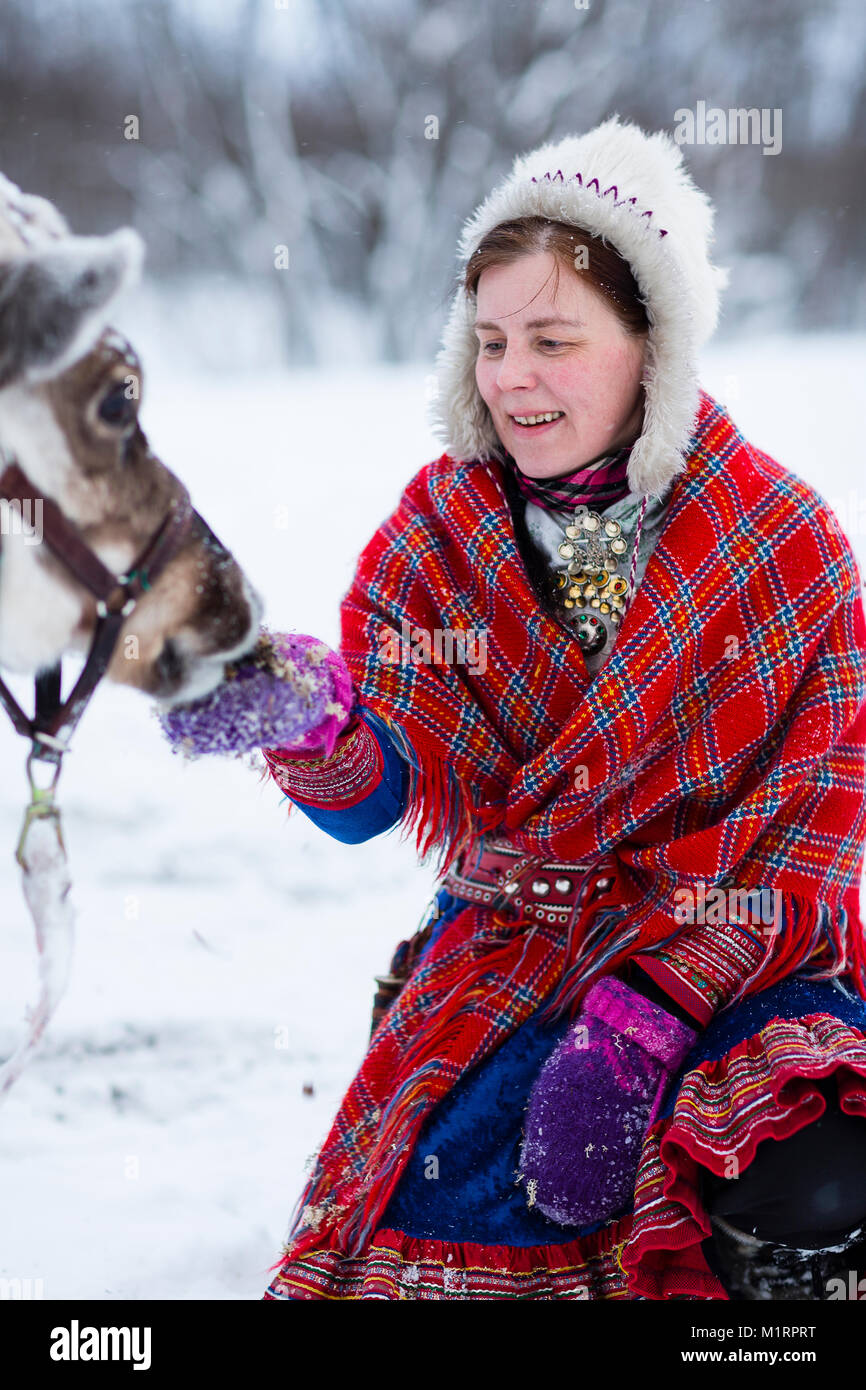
column 169, row 664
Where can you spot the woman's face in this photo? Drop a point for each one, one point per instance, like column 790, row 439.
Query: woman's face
column 564, row 352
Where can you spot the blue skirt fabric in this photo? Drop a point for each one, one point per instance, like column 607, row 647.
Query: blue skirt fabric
column 460, row 1181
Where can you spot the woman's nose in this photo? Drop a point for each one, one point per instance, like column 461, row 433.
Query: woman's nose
column 515, row 370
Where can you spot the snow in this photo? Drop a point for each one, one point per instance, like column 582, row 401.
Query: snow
column 225, row 955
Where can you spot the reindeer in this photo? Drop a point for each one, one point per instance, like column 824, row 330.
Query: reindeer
column 121, row 567
column 70, row 391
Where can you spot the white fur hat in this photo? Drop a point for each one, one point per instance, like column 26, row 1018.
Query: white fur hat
column 619, row 183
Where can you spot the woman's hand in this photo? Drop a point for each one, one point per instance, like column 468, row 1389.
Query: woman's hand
column 290, row 692
column 593, row 1101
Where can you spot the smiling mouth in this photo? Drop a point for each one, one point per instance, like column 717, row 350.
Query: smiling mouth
column 533, row 422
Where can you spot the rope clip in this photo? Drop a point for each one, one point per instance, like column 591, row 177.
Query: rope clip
column 42, row 804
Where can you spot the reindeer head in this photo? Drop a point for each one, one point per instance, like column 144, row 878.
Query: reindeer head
column 70, row 391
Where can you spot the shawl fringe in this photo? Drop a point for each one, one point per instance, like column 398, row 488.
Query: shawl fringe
column 445, row 1031
column 439, row 807
column 814, row 939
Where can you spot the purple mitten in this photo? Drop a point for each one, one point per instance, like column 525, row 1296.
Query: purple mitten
column 291, row 691
column 593, row 1101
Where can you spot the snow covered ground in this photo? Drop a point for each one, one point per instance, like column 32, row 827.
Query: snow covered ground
column 226, row 951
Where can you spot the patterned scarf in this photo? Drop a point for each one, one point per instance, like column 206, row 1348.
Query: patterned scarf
column 597, row 484
column 723, row 743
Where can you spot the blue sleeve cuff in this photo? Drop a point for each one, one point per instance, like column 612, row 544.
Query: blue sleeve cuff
column 377, row 812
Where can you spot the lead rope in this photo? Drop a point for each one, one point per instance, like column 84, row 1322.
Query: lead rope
column 45, row 881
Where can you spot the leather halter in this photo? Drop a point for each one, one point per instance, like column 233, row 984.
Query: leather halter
column 116, row 596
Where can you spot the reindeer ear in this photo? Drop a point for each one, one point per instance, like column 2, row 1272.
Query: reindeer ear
column 55, row 301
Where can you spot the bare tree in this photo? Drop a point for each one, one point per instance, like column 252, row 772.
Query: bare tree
column 362, row 153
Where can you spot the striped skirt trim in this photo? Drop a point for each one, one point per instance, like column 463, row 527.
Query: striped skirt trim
column 397, row 1266
column 761, row 1088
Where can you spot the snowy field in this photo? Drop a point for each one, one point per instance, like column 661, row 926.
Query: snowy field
column 226, row 951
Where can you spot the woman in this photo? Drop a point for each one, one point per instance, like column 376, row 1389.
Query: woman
column 607, row 659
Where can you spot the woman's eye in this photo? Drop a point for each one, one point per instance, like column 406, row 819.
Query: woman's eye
column 117, row 408
column 489, row 349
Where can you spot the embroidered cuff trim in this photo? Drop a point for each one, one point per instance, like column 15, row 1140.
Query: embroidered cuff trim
column 350, row 774
column 704, row 969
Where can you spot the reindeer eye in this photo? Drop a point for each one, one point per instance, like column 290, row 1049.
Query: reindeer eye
column 117, row 408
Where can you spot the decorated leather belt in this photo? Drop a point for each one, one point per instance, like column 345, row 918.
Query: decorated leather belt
column 546, row 890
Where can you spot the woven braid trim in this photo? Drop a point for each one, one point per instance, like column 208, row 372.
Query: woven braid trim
column 704, row 969
column 350, row 774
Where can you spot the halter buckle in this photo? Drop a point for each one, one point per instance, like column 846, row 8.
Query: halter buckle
column 117, row 602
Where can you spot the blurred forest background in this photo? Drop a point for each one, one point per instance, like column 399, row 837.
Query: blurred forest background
column 306, row 123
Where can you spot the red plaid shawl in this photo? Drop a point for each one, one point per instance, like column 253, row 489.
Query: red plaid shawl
column 723, row 741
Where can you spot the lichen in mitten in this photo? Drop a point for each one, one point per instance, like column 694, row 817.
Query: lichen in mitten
column 287, row 690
